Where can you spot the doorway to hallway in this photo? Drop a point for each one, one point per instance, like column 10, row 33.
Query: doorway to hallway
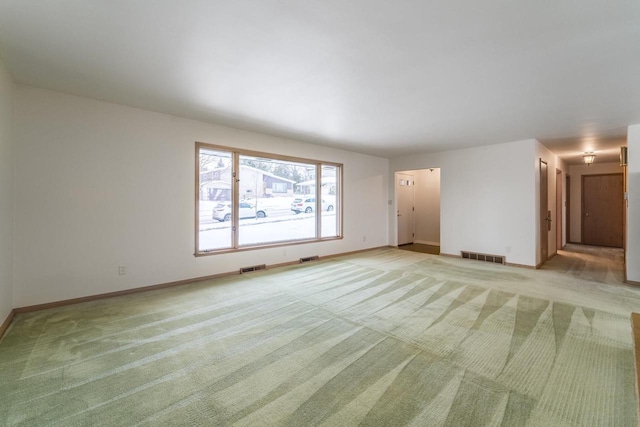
column 592, row 263
column 418, row 209
column 405, row 184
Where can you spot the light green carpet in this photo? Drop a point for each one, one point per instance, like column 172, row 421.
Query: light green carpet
column 385, row 338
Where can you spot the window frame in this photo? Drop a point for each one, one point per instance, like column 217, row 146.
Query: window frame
column 235, row 199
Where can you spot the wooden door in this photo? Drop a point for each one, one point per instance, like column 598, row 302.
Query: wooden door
column 602, row 210
column 545, row 219
column 405, row 196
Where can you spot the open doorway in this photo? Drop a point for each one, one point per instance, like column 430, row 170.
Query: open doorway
column 418, row 210
column 406, row 207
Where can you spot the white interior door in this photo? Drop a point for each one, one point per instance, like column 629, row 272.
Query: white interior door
column 404, row 191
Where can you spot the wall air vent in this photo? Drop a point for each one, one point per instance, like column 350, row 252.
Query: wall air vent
column 309, row 258
column 253, row 268
column 498, row 259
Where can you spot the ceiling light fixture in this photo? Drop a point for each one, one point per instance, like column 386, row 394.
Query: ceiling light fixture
column 589, row 158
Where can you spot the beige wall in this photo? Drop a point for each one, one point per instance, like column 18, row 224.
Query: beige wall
column 490, row 198
column 6, row 194
column 633, row 203
column 83, row 206
column 487, row 199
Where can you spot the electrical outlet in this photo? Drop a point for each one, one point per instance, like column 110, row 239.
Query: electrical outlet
column 122, row 270
column 364, row 238
column 508, row 249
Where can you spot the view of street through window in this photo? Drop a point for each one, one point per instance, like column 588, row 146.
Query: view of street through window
column 276, row 200
column 279, row 224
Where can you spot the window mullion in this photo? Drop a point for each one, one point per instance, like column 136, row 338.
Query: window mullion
column 235, row 217
column 339, row 201
column 318, row 200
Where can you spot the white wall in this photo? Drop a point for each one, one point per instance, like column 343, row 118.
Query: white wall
column 487, row 199
column 6, row 194
column 576, row 172
column 633, row 212
column 427, row 206
column 100, row 185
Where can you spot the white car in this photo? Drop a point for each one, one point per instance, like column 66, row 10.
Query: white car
column 307, row 205
column 222, row 211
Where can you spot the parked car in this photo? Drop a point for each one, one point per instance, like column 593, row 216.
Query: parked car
column 222, row 211
column 307, row 205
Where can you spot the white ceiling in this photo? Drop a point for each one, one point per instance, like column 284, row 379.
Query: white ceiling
column 374, row 76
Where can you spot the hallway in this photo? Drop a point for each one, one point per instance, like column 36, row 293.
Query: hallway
column 593, row 263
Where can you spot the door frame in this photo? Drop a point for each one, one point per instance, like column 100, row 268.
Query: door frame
column 568, row 207
column 413, row 203
column 558, row 210
column 544, row 212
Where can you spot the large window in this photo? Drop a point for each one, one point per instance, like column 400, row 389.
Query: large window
column 247, row 199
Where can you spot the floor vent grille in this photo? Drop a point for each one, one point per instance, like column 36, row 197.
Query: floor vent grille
column 498, row 259
column 309, row 258
column 253, row 268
